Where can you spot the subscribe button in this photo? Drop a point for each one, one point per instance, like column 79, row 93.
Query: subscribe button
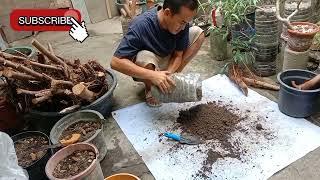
column 43, row 19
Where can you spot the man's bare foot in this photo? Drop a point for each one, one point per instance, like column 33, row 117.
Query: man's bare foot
column 152, row 101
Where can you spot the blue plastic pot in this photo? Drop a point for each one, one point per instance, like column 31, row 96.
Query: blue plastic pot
column 294, row 102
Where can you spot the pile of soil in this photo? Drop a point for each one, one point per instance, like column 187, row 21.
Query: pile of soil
column 26, row 150
column 212, row 157
column 74, row 164
column 85, row 128
column 211, row 121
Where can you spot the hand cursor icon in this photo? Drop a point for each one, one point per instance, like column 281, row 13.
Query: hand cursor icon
column 78, row 31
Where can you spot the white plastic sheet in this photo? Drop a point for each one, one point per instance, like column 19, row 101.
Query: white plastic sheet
column 9, row 168
column 283, row 140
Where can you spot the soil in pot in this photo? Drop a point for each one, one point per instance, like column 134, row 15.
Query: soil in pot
column 303, row 28
column 85, row 128
column 74, row 164
column 26, row 150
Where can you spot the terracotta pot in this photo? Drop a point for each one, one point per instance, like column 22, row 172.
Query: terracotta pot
column 298, row 41
column 92, row 172
column 122, row 176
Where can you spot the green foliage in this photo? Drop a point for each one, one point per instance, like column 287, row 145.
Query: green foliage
column 242, row 51
column 234, row 12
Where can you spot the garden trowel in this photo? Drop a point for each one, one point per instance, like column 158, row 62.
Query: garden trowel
column 62, row 143
column 183, row 140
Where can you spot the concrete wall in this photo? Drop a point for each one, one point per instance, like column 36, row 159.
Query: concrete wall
column 6, row 6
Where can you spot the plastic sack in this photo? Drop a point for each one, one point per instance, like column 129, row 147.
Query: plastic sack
column 188, row 89
column 9, row 168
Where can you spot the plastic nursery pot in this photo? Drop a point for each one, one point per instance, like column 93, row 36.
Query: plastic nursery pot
column 301, row 41
column 294, row 102
column 218, row 46
column 122, row 176
column 97, row 139
column 92, row 172
column 36, row 169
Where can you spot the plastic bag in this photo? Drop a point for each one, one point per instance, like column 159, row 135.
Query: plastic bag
column 9, row 168
column 188, row 89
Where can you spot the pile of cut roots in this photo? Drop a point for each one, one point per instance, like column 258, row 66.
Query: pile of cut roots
column 49, row 82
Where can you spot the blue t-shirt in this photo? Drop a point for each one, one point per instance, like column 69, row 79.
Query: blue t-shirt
column 145, row 33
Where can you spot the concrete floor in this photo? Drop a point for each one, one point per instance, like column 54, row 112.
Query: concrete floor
column 122, row 157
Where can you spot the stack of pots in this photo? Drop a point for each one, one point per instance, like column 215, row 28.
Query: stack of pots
column 296, row 44
column 304, row 14
column 266, row 41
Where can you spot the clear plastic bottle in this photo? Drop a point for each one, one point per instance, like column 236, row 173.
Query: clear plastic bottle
column 188, row 89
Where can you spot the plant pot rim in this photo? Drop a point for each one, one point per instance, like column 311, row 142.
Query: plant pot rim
column 59, row 123
column 292, row 88
column 122, row 174
column 290, row 31
column 36, row 133
column 82, row 174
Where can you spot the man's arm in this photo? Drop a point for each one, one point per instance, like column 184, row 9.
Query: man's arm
column 175, row 61
column 158, row 78
column 312, row 83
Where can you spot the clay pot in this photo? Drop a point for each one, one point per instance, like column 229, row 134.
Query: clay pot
column 92, row 172
column 122, row 176
column 298, row 41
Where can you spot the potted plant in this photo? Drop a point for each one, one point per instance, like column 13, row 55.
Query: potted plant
column 300, row 34
column 238, row 16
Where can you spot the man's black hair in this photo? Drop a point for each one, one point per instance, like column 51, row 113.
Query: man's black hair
column 175, row 5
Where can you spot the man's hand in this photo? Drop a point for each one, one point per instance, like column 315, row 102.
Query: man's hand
column 162, row 80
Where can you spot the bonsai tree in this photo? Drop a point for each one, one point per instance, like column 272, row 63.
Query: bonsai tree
column 286, row 21
column 301, row 33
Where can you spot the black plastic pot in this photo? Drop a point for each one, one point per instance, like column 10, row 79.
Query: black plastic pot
column 294, row 102
column 266, row 58
column 37, row 169
column 44, row 121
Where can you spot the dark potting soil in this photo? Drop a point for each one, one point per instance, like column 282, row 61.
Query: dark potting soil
column 211, row 121
column 259, row 127
column 26, row 150
column 212, row 157
column 85, row 128
column 74, row 164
